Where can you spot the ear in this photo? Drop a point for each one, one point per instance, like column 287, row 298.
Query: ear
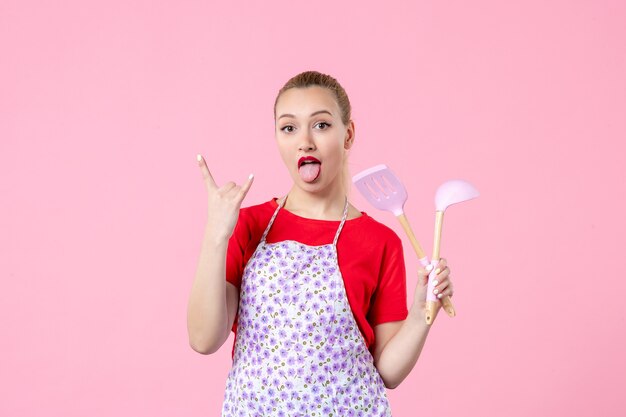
column 350, row 134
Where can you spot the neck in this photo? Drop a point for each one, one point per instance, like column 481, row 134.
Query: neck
column 327, row 204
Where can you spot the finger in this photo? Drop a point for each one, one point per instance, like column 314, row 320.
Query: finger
column 422, row 271
column 441, row 265
column 441, row 287
column 206, row 174
column 226, row 188
column 447, row 292
column 246, row 187
column 426, row 269
column 441, row 275
column 422, row 276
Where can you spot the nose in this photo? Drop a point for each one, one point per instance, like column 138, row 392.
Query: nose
column 306, row 142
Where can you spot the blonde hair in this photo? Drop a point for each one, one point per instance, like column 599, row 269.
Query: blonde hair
column 314, row 78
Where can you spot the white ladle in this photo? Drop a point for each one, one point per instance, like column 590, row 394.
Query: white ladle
column 448, row 193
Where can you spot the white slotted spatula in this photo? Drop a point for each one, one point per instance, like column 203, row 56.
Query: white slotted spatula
column 380, row 186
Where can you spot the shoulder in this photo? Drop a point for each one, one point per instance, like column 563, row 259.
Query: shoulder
column 373, row 238
column 259, row 209
column 255, row 216
column 378, row 231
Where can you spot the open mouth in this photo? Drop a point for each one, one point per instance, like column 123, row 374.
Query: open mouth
column 309, row 168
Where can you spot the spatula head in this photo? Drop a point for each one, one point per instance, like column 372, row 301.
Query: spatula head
column 452, row 192
column 381, row 188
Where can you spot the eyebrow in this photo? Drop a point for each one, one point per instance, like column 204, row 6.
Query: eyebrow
column 312, row 114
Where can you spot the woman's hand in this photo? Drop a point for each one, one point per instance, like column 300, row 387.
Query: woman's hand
column 442, row 288
column 224, row 203
column 443, row 284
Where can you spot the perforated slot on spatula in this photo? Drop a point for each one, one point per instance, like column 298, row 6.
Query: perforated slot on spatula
column 382, row 188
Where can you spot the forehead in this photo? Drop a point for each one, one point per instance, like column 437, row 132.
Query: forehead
column 306, row 100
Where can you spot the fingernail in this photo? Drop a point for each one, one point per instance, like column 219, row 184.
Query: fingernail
column 435, row 282
column 199, row 157
column 435, row 291
column 437, row 271
column 429, row 267
column 250, row 176
column 440, row 295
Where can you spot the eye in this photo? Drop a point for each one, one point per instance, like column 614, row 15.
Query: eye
column 325, row 124
column 287, row 127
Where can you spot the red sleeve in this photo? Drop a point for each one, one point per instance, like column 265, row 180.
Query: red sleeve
column 236, row 250
column 389, row 301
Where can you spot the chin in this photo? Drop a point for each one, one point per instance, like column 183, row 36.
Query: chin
column 309, row 186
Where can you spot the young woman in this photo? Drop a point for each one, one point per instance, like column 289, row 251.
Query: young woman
column 314, row 289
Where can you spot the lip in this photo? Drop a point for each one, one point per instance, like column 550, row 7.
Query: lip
column 307, row 158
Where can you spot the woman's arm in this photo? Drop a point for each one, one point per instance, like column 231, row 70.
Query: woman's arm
column 213, row 301
column 398, row 344
column 402, row 343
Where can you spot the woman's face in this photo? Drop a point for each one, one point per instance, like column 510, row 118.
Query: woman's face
column 308, row 124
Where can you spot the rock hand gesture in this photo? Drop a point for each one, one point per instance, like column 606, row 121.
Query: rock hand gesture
column 224, row 203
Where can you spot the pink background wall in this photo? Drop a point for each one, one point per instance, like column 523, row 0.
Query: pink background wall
column 104, row 105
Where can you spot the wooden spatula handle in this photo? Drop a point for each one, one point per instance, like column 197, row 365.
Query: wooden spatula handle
column 409, row 232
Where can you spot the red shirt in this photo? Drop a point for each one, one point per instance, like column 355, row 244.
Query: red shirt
column 370, row 257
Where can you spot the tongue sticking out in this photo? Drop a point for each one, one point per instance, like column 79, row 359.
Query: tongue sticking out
column 309, row 172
